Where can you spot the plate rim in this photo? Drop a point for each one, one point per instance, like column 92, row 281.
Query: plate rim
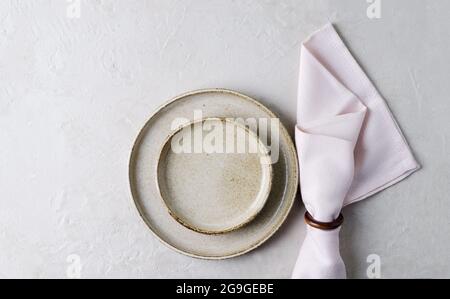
column 292, row 152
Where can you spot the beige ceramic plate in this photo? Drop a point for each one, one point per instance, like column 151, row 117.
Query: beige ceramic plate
column 213, row 189
column 144, row 184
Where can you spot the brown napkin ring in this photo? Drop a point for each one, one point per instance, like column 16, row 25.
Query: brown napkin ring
column 324, row 225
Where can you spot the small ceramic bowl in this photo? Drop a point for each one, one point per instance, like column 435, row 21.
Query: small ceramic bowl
column 214, row 175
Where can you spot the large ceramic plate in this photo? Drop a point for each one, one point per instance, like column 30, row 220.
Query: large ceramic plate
column 213, row 103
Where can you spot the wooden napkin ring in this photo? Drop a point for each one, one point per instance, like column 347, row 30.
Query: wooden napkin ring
column 324, row 225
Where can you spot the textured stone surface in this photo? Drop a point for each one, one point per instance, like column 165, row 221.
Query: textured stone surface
column 75, row 91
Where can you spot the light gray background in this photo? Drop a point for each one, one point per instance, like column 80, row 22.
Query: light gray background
column 75, row 92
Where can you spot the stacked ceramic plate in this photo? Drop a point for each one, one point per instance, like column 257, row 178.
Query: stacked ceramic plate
column 213, row 174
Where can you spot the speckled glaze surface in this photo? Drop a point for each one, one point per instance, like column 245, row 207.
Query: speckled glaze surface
column 144, row 187
column 213, row 191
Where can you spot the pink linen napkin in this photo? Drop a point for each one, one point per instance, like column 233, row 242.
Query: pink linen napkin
column 348, row 143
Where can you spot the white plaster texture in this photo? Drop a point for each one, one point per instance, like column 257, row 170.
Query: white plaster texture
column 74, row 93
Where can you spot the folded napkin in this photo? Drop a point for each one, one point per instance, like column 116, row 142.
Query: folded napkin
column 349, row 146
